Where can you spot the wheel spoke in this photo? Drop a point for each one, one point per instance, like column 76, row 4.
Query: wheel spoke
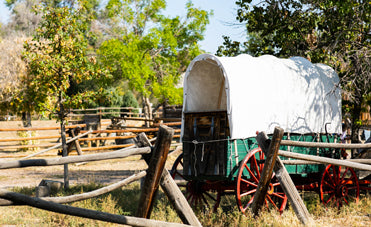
column 249, row 183
column 336, row 174
column 248, row 204
column 255, row 164
column 272, row 202
column 179, row 174
column 205, row 200
column 210, row 196
column 344, row 174
column 330, row 178
column 330, row 185
column 352, row 188
column 331, row 197
column 182, row 185
column 248, row 193
column 251, row 174
column 278, row 195
column 328, row 192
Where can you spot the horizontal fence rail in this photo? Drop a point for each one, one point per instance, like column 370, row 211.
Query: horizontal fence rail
column 325, row 145
column 74, row 159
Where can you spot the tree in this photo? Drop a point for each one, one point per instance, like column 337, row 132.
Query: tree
column 57, row 58
column 12, row 68
column 23, row 20
column 149, row 50
column 336, row 33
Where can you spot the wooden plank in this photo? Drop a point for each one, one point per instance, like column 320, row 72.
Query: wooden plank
column 325, row 145
column 178, row 200
column 15, row 146
column 324, row 160
column 286, row 183
column 39, row 129
column 172, row 190
column 81, row 212
column 74, row 159
column 303, row 162
column 108, row 138
column 106, row 147
column 77, row 144
column 154, row 171
column 29, row 138
column 86, row 195
column 270, row 160
column 128, row 130
column 58, row 145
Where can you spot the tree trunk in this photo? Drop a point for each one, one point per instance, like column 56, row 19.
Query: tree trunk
column 64, row 153
column 26, row 119
column 61, row 116
column 147, row 110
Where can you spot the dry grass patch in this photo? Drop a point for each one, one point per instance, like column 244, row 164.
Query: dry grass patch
column 124, row 202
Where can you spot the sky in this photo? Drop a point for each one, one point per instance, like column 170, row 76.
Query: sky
column 223, row 21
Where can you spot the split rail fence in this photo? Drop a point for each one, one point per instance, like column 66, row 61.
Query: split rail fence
column 156, row 175
column 270, row 147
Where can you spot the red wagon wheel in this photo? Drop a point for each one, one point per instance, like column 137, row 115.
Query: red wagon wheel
column 247, row 182
column 339, row 186
column 199, row 193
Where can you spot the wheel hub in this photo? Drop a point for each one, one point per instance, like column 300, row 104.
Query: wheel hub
column 341, row 191
column 270, row 189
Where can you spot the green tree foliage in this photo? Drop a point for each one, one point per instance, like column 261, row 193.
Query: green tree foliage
column 129, row 100
column 333, row 32
column 148, row 49
column 57, row 58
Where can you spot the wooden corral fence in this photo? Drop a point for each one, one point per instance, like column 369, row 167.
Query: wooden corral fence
column 104, row 137
column 270, row 147
column 155, row 175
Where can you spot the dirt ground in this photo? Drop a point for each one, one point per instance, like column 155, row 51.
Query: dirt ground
column 105, row 172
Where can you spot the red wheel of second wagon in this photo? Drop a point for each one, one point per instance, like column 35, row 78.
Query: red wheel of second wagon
column 339, row 186
column 247, row 182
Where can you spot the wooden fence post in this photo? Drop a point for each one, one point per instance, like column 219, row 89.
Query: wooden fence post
column 286, row 183
column 171, row 189
column 154, row 171
column 270, row 160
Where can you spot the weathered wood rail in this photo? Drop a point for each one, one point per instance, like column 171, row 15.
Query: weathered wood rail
column 156, row 158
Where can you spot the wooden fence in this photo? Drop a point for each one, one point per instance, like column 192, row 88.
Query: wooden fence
column 103, row 138
column 274, row 163
column 155, row 175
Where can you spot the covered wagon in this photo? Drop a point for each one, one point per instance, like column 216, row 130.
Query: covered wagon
column 228, row 99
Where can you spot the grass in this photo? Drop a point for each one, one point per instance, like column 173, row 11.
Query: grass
column 124, row 202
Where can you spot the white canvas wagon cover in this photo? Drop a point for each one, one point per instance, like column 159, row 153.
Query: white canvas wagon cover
column 259, row 93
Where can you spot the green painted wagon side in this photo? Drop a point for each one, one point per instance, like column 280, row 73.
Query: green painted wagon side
column 245, row 145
